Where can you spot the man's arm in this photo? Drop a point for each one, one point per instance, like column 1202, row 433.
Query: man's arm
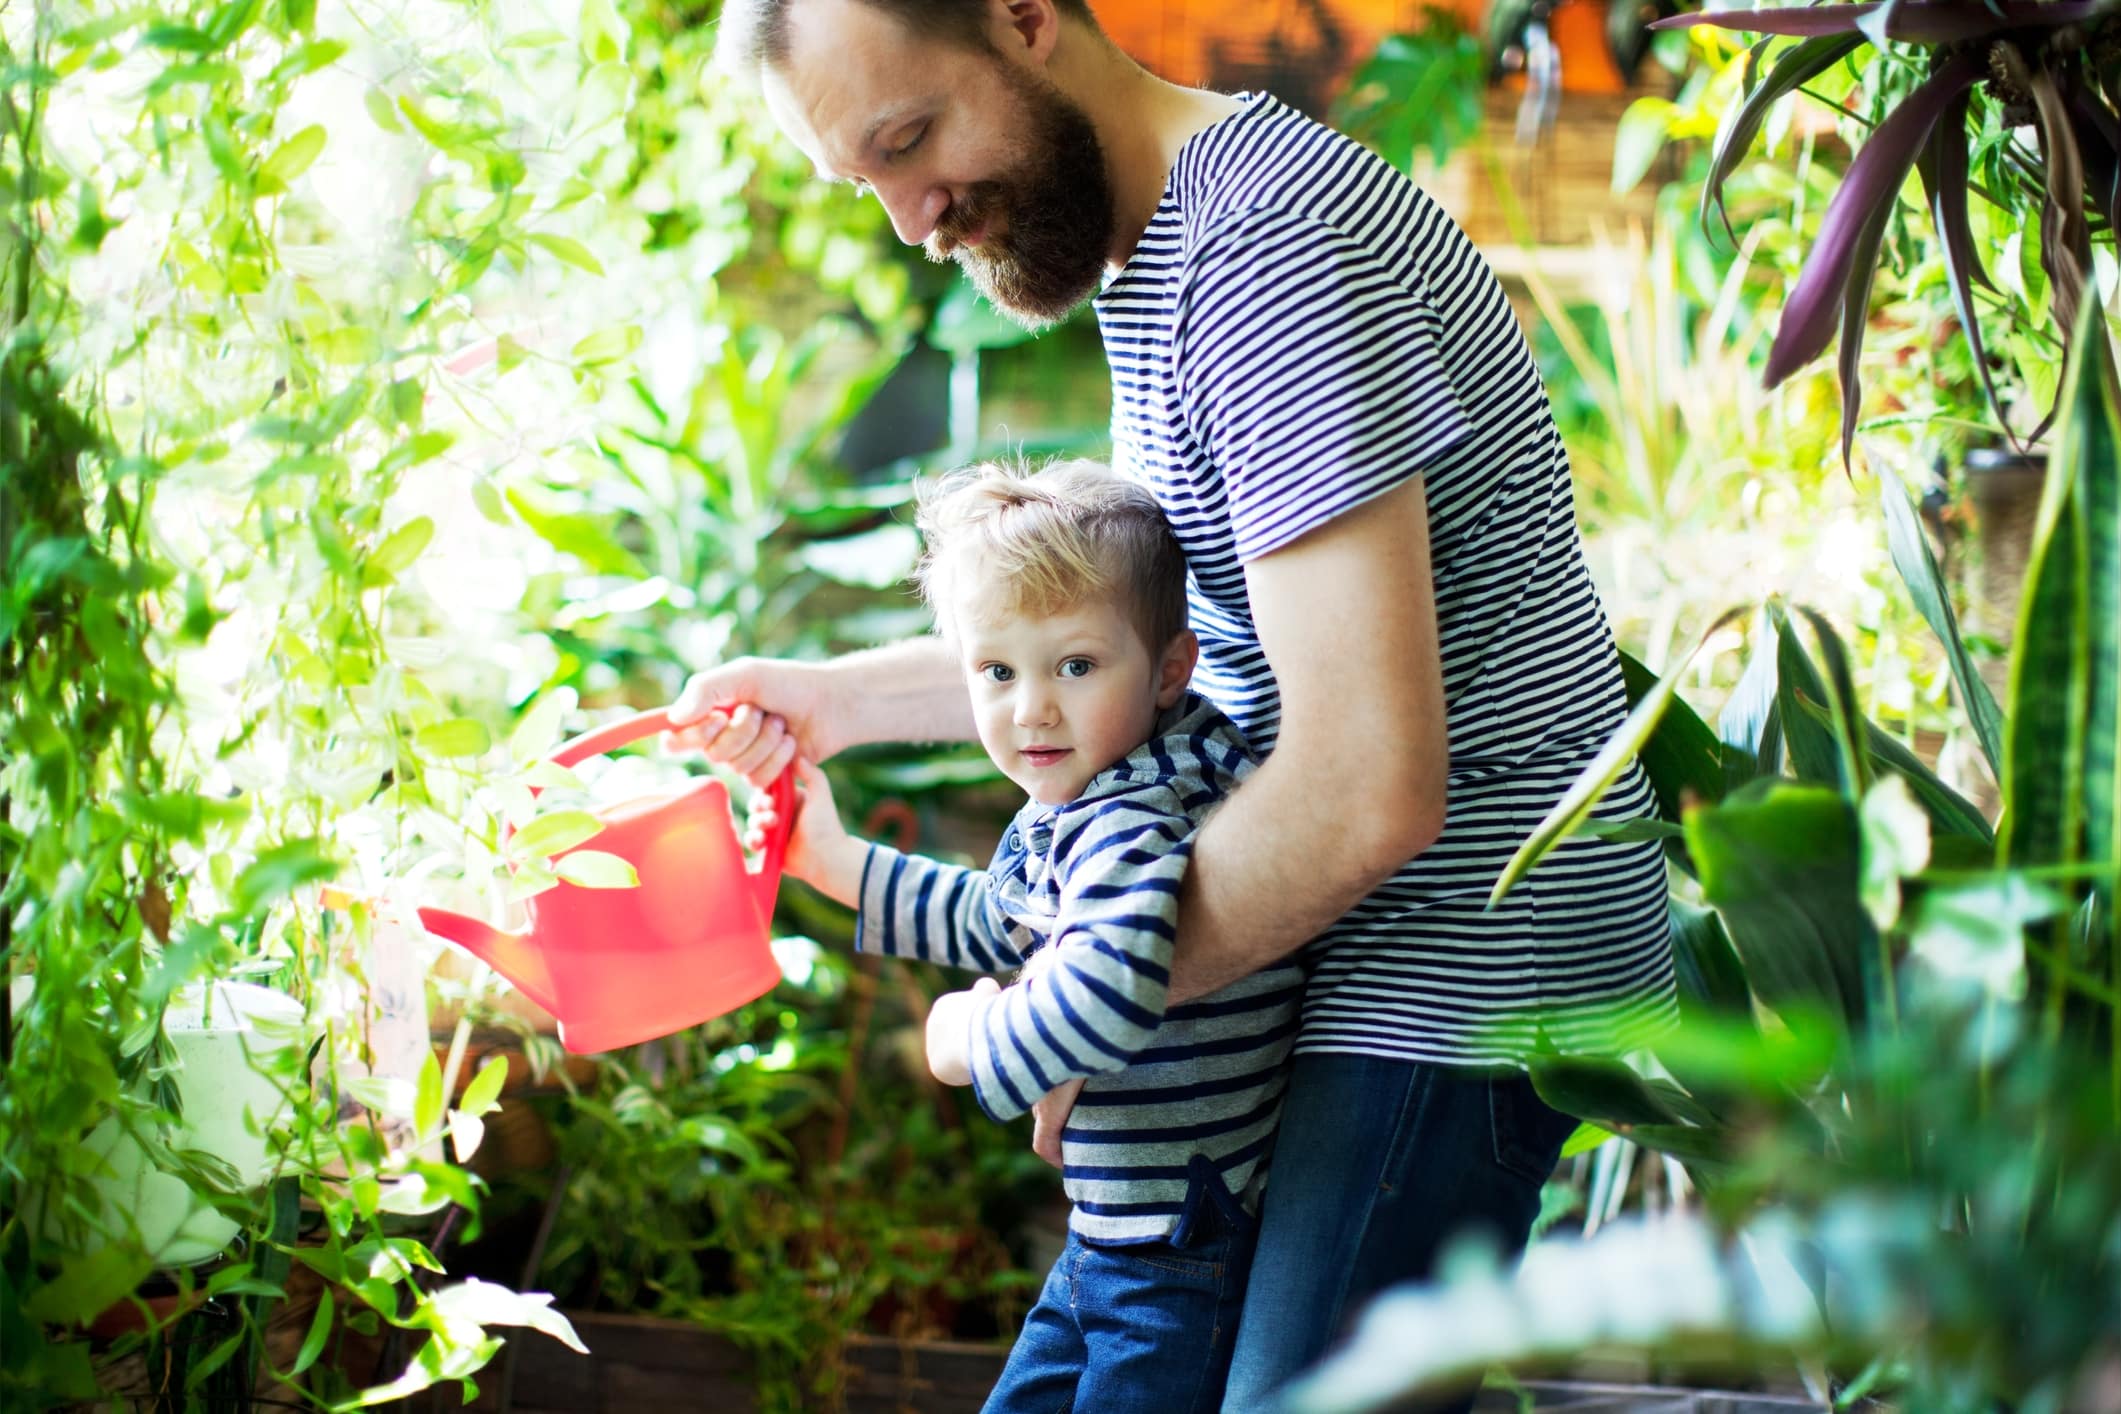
column 1355, row 784
column 755, row 715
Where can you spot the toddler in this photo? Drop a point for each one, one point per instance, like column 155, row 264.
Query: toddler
column 1064, row 595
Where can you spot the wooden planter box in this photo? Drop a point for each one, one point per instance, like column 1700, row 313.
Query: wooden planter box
column 644, row 1363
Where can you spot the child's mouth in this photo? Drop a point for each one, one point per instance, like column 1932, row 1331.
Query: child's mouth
column 1044, row 755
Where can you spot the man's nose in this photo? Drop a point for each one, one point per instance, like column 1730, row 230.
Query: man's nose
column 914, row 208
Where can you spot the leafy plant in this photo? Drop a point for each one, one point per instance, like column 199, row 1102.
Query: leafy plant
column 1420, row 92
column 1947, row 85
column 1896, row 1081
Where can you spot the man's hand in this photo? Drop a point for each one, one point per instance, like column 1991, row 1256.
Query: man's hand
column 1050, row 1116
column 820, row 851
column 949, row 1027
column 754, row 715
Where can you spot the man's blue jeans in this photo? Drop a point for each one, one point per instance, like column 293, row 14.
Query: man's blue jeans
column 1144, row 1328
column 1379, row 1164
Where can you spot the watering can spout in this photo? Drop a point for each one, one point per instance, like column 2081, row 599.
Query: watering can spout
column 510, row 954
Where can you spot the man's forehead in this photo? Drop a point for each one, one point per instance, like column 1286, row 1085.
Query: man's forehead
column 851, row 75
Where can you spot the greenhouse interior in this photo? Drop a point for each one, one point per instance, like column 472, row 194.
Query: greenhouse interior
column 560, row 561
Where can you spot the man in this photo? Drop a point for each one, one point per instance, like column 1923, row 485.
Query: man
column 1324, row 386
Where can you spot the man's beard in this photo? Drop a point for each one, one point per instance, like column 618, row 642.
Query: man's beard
column 1056, row 206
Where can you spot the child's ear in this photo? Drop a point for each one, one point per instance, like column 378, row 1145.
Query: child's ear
column 1175, row 668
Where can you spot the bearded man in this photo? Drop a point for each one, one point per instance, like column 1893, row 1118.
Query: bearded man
column 1322, row 383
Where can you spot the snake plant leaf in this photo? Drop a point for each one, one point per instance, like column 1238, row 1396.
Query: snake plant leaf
column 1597, row 778
column 1925, row 583
column 1849, row 725
column 1918, row 21
column 1797, row 66
column 2059, row 777
column 1873, row 181
column 1779, row 862
column 1945, row 178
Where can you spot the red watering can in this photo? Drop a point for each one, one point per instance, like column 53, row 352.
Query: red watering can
column 618, row 966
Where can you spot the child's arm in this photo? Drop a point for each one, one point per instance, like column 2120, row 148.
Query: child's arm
column 1098, row 1000
column 906, row 906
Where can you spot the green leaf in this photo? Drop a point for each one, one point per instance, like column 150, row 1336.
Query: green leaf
column 539, row 728
column 2065, row 687
column 279, row 871
column 319, row 1329
column 1638, row 141
column 307, row 59
column 1612, row 760
column 1586, row 1138
column 402, row 546
column 1780, row 863
column 561, row 830
column 1682, row 757
column 181, row 39
column 459, row 736
column 89, row 1284
column 965, row 323
column 427, row 1097
column 570, row 250
column 1925, row 583
column 589, row 538
column 607, row 345
column 593, row 869
column 292, row 158
column 381, row 111
column 1711, row 978
column 198, row 1372
column 483, row 1095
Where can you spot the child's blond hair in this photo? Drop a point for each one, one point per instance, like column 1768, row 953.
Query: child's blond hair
column 1069, row 532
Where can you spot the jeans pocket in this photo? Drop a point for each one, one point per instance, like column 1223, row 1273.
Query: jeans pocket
column 1528, row 1132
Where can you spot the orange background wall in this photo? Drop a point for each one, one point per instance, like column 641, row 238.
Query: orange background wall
column 1303, row 51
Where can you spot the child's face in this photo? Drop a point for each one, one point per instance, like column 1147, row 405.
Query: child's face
column 1062, row 696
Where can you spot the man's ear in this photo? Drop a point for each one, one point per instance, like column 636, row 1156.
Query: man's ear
column 1024, row 30
column 1175, row 668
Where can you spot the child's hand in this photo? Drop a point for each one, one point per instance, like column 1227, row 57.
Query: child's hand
column 820, row 851
column 949, row 1026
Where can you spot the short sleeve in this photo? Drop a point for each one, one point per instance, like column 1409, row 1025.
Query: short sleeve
column 1309, row 374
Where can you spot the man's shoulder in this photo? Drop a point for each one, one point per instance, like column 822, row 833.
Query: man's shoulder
column 1275, row 172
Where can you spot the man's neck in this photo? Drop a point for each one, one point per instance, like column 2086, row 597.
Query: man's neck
column 1142, row 122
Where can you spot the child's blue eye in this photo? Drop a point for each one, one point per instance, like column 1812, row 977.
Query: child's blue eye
column 1077, row 668
column 997, row 672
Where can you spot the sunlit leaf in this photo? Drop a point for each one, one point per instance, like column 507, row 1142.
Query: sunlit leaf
column 459, row 736
column 569, row 250
column 560, row 830
column 594, row 869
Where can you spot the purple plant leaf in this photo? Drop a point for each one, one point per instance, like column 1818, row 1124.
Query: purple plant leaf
column 2065, row 236
column 1855, row 322
column 1917, row 21
column 2099, row 137
column 1873, row 182
column 1799, row 65
column 1943, row 166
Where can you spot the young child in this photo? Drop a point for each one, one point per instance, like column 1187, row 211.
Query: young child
column 1064, row 594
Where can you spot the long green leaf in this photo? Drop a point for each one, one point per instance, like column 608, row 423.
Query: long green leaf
column 1925, row 582
column 1597, row 778
column 1683, row 757
column 1797, row 66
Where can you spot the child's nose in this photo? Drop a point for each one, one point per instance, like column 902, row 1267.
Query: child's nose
column 1034, row 708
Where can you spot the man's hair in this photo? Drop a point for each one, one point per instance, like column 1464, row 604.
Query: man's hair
column 754, row 33
column 1072, row 532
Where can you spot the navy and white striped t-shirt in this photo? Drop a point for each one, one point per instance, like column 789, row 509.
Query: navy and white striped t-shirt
column 1092, row 885
column 1300, row 330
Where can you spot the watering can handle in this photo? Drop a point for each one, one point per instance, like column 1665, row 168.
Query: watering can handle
column 645, row 724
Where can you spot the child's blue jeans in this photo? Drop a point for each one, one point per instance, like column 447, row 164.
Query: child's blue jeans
column 1139, row 1328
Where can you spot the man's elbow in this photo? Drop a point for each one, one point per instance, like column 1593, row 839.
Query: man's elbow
column 1406, row 816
